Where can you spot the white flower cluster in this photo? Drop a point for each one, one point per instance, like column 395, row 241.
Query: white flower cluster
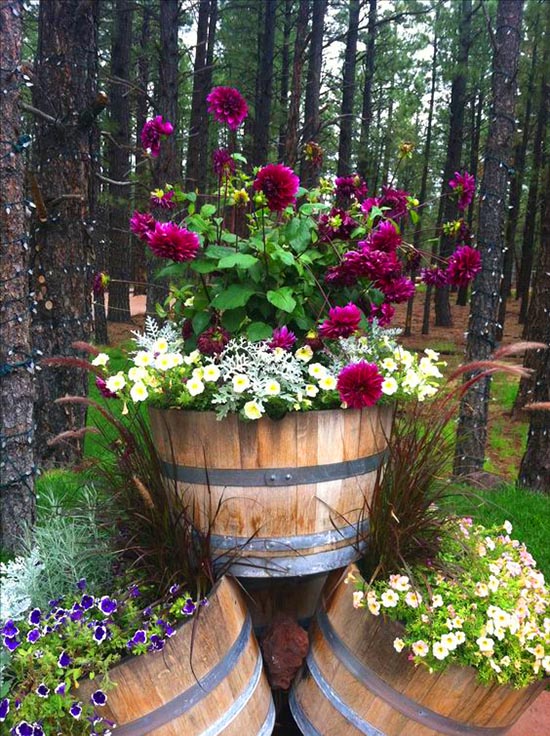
column 167, row 335
column 494, row 616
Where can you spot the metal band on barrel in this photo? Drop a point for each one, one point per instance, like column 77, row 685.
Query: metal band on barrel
column 193, row 695
column 305, row 475
column 377, row 686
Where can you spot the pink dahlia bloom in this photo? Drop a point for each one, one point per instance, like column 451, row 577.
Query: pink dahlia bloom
column 386, row 237
column 464, row 265
column 142, row 223
column 228, row 106
column 168, row 240
column 398, row 289
column 213, row 340
column 162, row 199
column 341, row 322
column 223, row 163
column 384, row 313
column 279, row 184
column 465, row 186
column 360, row 384
column 434, row 275
column 336, row 225
column 103, row 390
column 151, row 133
column 282, row 338
column 349, row 187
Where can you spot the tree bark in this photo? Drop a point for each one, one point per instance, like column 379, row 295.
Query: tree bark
column 310, row 131
column 197, row 139
column 17, row 500
column 119, row 163
column 366, row 112
column 534, row 470
column 264, row 87
column 443, row 316
column 291, row 145
column 64, row 86
column 348, row 91
column 472, row 425
column 285, row 76
column 425, row 170
column 527, row 251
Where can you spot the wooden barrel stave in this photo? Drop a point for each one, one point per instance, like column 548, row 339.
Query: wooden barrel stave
column 277, row 526
column 207, row 680
column 356, row 681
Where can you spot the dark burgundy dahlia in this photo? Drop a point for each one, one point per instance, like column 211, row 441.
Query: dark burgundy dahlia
column 213, row 340
column 279, row 185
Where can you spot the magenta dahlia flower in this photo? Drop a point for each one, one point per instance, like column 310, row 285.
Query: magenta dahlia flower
column 142, row 223
column 465, row 186
column 213, row 340
column 103, row 390
column 223, row 163
column 151, row 133
column 228, row 106
column 279, row 184
column 168, row 240
column 341, row 322
column 398, row 289
column 162, row 199
column 360, row 384
column 434, row 276
column 336, row 225
column 386, row 237
column 282, row 337
column 464, row 265
column 383, row 313
column 349, row 187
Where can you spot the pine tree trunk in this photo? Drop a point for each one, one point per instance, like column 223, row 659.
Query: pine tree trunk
column 65, row 85
column 195, row 153
column 264, row 90
column 119, row 164
column 16, row 359
column 366, row 112
column 348, row 91
column 443, row 316
column 291, row 144
column 472, row 426
column 308, row 171
column 285, row 76
column 425, row 170
column 534, row 471
column 528, row 241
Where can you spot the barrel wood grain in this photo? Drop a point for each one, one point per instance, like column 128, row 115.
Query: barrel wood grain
column 263, row 513
column 159, row 693
column 357, row 683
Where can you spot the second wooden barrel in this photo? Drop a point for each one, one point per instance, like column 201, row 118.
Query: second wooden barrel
column 356, row 683
column 282, row 498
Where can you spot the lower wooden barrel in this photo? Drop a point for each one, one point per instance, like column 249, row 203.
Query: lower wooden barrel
column 281, row 498
column 207, row 680
column 356, row 683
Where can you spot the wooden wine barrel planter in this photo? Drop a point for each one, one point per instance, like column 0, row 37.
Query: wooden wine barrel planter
column 356, row 683
column 285, row 498
column 207, row 680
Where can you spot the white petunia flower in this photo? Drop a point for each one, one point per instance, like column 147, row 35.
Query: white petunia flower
column 311, row 390
column 138, row 392
column 272, row 388
column 327, row 383
column 305, row 353
column 160, row 345
column 240, row 383
column 253, row 409
column 115, row 383
column 195, row 386
column 211, row 373
column 101, row 359
column 389, row 386
column 143, row 359
column 316, row 370
column 420, row 648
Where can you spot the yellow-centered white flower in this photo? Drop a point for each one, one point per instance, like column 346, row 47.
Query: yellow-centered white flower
column 115, row 383
column 240, row 383
column 211, row 373
column 253, row 409
column 327, row 383
column 138, row 392
column 101, row 359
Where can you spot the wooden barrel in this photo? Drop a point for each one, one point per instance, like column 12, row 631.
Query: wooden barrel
column 207, row 680
column 285, row 498
column 356, row 683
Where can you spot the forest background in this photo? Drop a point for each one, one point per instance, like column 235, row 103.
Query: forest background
column 398, row 91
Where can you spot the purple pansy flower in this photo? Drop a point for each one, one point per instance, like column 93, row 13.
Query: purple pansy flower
column 64, row 659
column 98, row 698
column 76, row 710
column 42, row 690
column 9, row 629
column 107, row 605
column 34, row 616
column 11, row 643
column 189, row 607
column 87, row 601
column 100, row 633
column 60, row 689
column 4, row 709
column 81, row 585
column 33, row 636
